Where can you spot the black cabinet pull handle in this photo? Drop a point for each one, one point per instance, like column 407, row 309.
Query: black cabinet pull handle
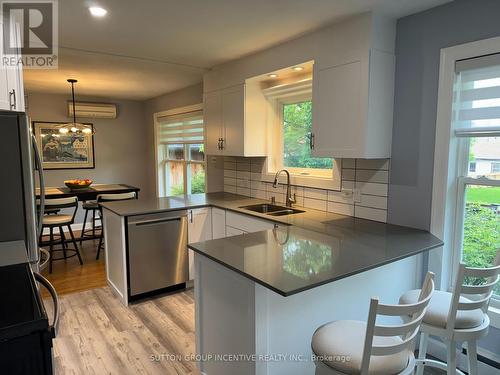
column 311, row 141
column 13, row 103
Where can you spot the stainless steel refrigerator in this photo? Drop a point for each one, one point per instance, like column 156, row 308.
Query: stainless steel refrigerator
column 19, row 218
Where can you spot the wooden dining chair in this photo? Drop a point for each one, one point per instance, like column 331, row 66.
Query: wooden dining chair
column 372, row 348
column 111, row 198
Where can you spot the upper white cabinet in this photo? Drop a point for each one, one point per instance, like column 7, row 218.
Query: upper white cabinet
column 353, row 108
column 235, row 121
column 11, row 78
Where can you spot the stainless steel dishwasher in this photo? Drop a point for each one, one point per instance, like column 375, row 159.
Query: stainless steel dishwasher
column 157, row 251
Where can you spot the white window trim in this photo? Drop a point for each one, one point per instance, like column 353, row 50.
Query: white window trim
column 290, row 93
column 171, row 112
column 445, row 179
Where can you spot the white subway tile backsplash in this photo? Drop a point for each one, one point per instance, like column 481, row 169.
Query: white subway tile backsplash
column 243, row 183
column 315, row 193
column 349, row 163
column 229, row 173
column 370, row 213
column 372, row 188
column 230, row 189
column 377, row 164
column 341, row 196
column 258, row 185
column 348, row 174
column 373, row 201
column 243, row 191
column 316, row 204
column 341, row 208
column 229, row 181
column 245, row 176
column 366, row 175
column 243, row 167
column 260, row 194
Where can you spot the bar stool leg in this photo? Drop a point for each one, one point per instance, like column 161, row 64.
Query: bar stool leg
column 472, row 357
column 93, row 223
column 422, row 351
column 451, row 357
column 63, row 242
column 99, row 247
column 75, row 244
column 51, row 247
column 83, row 227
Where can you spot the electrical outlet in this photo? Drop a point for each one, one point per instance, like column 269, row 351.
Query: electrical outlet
column 347, row 193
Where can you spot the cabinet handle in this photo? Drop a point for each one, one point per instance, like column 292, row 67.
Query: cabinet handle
column 191, row 216
column 218, row 143
column 311, row 141
column 222, row 143
column 13, row 104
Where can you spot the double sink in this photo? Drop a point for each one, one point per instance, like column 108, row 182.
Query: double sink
column 271, row 209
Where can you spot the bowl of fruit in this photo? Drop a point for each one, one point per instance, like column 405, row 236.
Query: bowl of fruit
column 78, row 184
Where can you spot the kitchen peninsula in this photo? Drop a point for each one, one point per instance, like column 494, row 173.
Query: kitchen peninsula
column 266, row 289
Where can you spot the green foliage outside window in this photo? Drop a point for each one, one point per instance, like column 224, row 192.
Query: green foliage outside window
column 297, row 119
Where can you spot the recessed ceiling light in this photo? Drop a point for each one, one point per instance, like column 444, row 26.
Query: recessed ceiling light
column 298, row 68
column 98, row 11
column 272, row 75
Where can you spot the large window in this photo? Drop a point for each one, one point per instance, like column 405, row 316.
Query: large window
column 477, row 125
column 180, row 153
column 296, row 122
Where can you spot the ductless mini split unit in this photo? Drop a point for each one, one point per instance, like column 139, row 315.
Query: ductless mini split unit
column 92, row 110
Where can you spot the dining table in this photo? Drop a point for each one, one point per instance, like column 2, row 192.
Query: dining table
column 87, row 194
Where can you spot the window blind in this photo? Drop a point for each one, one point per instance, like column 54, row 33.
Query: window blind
column 182, row 128
column 476, row 107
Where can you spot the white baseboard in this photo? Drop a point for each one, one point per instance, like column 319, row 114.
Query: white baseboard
column 437, row 349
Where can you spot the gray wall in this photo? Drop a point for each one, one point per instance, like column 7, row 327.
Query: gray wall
column 121, row 146
column 419, row 40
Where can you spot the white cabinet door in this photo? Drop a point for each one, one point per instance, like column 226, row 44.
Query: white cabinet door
column 218, row 223
column 247, row 223
column 199, row 229
column 230, row 231
column 339, row 111
column 212, row 117
column 11, row 78
column 233, row 120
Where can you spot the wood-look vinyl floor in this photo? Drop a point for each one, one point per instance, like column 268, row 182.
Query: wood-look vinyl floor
column 68, row 276
column 98, row 335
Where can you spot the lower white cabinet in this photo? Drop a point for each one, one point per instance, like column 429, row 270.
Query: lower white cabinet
column 237, row 223
column 199, row 229
column 218, row 223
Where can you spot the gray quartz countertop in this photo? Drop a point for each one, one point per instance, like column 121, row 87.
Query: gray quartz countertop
column 313, row 248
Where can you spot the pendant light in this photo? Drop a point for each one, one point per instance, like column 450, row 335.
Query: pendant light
column 75, row 127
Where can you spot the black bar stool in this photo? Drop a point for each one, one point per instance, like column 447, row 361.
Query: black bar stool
column 109, row 198
column 95, row 230
column 59, row 221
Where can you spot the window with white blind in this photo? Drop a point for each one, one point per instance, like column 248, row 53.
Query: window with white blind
column 476, row 124
column 180, row 152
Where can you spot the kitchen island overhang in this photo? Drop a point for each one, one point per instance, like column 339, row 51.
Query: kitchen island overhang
column 262, row 295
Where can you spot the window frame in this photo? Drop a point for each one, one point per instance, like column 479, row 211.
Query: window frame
column 446, row 185
column 277, row 97
column 161, row 162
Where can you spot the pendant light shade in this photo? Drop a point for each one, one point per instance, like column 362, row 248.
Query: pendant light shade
column 75, row 127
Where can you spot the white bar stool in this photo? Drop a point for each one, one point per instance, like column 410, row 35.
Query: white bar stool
column 455, row 318
column 371, row 348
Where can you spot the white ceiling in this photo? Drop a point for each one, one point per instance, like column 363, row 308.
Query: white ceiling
column 143, row 49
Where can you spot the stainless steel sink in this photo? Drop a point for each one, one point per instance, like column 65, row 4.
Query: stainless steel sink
column 271, row 209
